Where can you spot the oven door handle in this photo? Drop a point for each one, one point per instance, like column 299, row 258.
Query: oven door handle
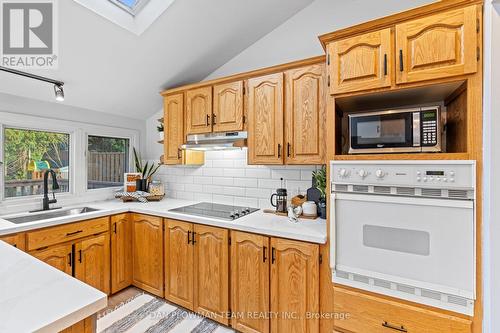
column 333, row 242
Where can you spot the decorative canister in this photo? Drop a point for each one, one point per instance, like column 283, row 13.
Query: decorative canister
column 156, row 188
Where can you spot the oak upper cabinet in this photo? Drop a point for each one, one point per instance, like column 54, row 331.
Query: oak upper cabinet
column 16, row 240
column 265, row 119
column 305, row 115
column 179, row 263
column 58, row 256
column 228, row 107
column 437, row 46
column 174, row 128
column 249, row 282
column 199, row 110
column 294, row 285
column 121, row 252
column 211, row 272
column 92, row 262
column 147, row 244
column 361, row 62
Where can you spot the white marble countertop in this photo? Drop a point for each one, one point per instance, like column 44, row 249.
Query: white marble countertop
column 35, row 297
column 261, row 223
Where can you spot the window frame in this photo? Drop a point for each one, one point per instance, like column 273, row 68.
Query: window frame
column 131, row 10
column 78, row 132
column 114, row 134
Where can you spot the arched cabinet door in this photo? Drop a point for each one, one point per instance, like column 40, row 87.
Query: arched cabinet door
column 199, row 110
column 265, row 119
column 174, row 128
column 361, row 62
column 437, row 46
column 228, row 107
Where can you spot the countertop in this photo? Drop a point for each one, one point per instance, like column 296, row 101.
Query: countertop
column 261, row 223
column 35, row 297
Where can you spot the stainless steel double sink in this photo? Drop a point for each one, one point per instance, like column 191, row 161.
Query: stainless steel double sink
column 40, row 216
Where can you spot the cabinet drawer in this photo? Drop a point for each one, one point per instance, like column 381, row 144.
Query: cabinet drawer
column 376, row 315
column 66, row 232
column 16, row 240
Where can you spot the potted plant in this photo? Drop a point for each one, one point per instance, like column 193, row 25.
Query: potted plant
column 319, row 177
column 147, row 171
column 161, row 130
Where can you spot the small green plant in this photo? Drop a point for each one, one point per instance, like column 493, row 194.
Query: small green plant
column 147, row 170
column 320, row 181
column 160, row 128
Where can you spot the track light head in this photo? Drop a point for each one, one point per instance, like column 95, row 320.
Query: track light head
column 59, row 92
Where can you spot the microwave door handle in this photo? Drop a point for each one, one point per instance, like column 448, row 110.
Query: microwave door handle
column 416, row 129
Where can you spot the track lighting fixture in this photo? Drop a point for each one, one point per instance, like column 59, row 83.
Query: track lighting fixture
column 58, row 90
column 58, row 85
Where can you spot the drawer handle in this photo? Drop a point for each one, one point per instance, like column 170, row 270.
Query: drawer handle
column 74, row 233
column 394, row 327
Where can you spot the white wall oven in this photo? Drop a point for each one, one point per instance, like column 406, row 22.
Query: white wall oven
column 406, row 229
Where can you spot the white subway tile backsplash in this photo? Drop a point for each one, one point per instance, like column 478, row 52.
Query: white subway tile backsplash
column 226, row 178
column 223, row 181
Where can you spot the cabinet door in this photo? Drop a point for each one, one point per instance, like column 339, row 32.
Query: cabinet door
column 228, row 107
column 305, row 115
column 199, row 110
column 58, row 256
column 121, row 252
column 294, row 286
column 179, row 263
column 361, row 62
column 174, row 128
column 265, row 119
column 92, row 262
column 17, row 240
column 437, row 46
column 211, row 272
column 249, row 281
column 148, row 253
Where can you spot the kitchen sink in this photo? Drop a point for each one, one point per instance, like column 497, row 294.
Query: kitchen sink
column 40, row 216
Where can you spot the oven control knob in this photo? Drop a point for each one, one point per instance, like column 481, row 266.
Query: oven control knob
column 343, row 173
column 379, row 173
column 362, row 173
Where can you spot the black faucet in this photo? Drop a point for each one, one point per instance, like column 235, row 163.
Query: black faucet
column 55, row 186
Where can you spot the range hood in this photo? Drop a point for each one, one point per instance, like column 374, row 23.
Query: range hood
column 216, row 141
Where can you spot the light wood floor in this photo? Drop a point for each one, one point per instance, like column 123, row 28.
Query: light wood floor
column 120, row 297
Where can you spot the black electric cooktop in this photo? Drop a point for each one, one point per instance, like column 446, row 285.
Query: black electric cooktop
column 206, row 209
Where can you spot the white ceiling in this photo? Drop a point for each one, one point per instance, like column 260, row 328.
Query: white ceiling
column 109, row 69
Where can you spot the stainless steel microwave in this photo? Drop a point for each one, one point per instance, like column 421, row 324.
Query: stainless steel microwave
column 396, row 131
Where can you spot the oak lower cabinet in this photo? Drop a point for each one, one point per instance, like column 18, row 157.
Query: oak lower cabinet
column 179, row 263
column 361, row 62
column 374, row 314
column 16, row 240
column 121, row 252
column 250, row 282
column 197, row 268
column 92, row 262
column 58, row 256
column 294, row 286
column 274, row 284
column 147, row 259
column 211, row 272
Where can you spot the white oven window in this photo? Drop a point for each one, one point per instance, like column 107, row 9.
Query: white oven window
column 397, row 239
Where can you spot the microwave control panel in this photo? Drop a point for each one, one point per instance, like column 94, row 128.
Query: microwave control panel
column 435, row 174
column 429, row 127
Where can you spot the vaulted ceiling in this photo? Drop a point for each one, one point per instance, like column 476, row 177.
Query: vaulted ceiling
column 109, row 69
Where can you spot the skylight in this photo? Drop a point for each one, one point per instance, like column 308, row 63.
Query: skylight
column 131, row 6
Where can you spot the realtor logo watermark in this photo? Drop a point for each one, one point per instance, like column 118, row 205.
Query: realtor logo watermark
column 29, row 36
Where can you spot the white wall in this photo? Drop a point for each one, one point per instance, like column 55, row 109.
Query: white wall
column 297, row 38
column 491, row 236
column 153, row 149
